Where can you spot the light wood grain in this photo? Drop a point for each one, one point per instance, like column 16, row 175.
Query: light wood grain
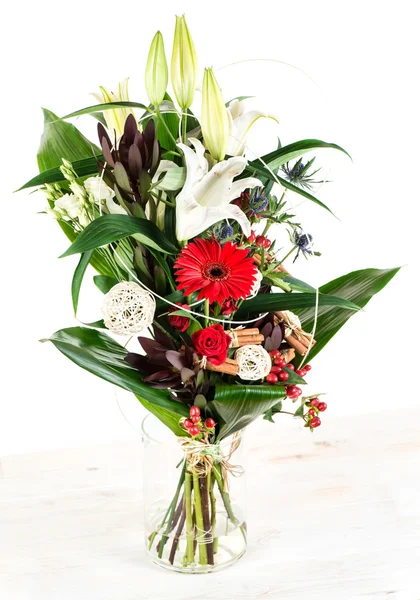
column 333, row 515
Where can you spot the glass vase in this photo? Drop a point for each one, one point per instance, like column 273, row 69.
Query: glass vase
column 193, row 500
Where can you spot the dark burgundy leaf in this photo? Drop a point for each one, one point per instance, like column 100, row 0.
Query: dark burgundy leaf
column 134, row 162
column 139, row 142
column 106, row 150
column 276, row 337
column 130, row 130
column 176, row 359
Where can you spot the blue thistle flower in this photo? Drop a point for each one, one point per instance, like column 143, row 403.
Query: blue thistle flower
column 258, row 203
column 303, row 243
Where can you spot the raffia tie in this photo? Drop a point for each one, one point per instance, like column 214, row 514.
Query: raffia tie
column 202, row 456
column 234, row 343
column 292, row 323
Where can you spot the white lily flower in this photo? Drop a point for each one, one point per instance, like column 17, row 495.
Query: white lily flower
column 115, row 118
column 240, row 124
column 103, row 195
column 206, row 196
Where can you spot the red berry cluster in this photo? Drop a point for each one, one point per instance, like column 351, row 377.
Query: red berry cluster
column 194, row 425
column 278, row 373
column 315, row 407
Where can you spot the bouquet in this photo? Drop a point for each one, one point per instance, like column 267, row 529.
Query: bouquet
column 176, row 222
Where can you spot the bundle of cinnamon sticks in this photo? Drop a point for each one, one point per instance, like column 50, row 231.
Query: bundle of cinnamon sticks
column 294, row 335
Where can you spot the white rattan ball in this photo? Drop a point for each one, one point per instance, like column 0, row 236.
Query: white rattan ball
column 128, row 308
column 254, row 362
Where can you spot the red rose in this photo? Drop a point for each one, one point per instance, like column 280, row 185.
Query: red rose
column 179, row 322
column 227, row 308
column 213, row 343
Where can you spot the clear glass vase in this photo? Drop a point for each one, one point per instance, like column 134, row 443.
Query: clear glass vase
column 193, row 501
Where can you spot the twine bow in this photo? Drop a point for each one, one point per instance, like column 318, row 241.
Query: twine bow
column 201, row 457
column 292, row 322
column 234, row 343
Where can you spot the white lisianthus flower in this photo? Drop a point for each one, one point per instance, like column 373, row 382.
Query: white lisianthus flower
column 240, row 122
column 71, row 207
column 103, row 195
column 206, row 196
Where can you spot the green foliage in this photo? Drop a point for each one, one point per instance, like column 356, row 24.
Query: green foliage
column 78, row 278
column 358, row 287
column 99, row 354
column 238, row 405
column 110, row 228
column 61, row 140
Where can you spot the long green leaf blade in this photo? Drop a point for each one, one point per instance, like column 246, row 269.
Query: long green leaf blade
column 282, row 301
column 83, row 168
column 62, row 140
column 99, row 354
column 239, row 405
column 78, row 278
column 110, row 228
column 101, row 107
column 359, row 287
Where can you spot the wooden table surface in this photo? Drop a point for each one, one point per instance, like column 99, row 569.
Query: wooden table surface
column 333, row 515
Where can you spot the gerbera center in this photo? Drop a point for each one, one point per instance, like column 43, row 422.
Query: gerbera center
column 216, row 271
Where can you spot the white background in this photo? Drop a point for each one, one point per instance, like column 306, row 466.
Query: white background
column 363, row 56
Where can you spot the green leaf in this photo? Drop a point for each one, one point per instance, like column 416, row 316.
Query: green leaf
column 359, row 287
column 102, row 107
column 294, row 379
column 62, row 140
column 299, row 412
column 239, row 405
column 104, row 283
column 83, row 168
column 171, row 120
column 99, row 354
column 282, row 155
column 78, row 278
column 97, row 260
column 110, row 228
column 268, row 416
column 281, row 301
column 298, row 285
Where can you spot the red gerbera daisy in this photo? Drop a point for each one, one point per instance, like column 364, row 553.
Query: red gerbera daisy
column 220, row 273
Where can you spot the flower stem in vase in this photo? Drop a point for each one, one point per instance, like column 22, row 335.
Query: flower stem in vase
column 178, row 532
column 211, row 481
column 189, row 554
column 226, row 500
column 202, row 545
column 206, row 518
column 169, row 526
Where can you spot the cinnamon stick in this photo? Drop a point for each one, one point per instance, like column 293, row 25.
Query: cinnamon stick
column 229, row 367
column 249, row 340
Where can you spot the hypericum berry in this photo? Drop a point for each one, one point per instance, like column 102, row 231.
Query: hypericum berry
column 301, row 372
column 311, row 412
column 274, row 353
column 188, row 423
column 195, row 411
column 209, row 423
column 314, row 422
column 272, row 378
column 322, row 406
column 291, row 391
column 283, row 376
column 275, row 369
column 266, row 243
column 290, row 366
column 194, row 430
column 259, row 240
column 314, row 402
column 195, row 419
column 280, row 362
column 252, row 237
column 307, row 367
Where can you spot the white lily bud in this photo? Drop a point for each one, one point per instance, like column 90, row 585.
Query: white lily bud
column 214, row 117
column 156, row 76
column 184, row 65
